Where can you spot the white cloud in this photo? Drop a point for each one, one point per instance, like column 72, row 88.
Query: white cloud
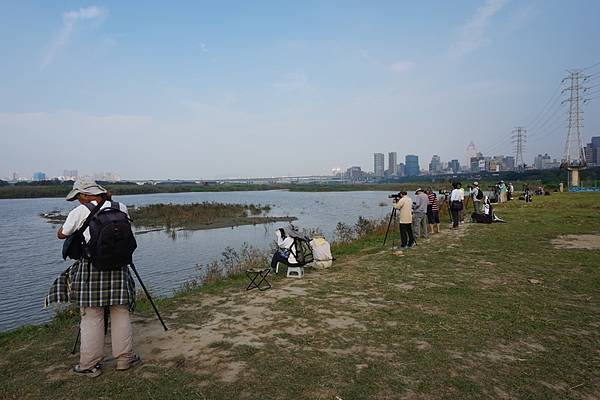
column 473, row 34
column 70, row 20
column 400, row 67
column 203, row 47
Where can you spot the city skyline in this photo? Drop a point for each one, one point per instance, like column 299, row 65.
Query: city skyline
column 205, row 91
column 540, row 161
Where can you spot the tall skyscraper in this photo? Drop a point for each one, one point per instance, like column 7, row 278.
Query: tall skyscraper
column 454, row 166
column 435, row 166
column 412, row 165
column 379, row 164
column 592, row 151
column 393, row 164
column 471, row 151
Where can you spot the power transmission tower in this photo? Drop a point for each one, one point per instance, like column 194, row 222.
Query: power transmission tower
column 574, row 157
column 519, row 139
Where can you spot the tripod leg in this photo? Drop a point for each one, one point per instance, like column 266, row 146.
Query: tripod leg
column 392, row 215
column 148, row 295
column 76, row 341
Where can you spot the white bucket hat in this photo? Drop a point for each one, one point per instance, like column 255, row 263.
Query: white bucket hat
column 85, row 186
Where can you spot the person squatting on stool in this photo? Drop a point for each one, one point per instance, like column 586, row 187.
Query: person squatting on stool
column 285, row 250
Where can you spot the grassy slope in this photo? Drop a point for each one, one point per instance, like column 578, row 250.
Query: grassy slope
column 455, row 317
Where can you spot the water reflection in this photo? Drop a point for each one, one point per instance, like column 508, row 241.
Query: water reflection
column 165, row 258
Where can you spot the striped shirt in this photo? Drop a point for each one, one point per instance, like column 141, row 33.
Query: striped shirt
column 433, row 202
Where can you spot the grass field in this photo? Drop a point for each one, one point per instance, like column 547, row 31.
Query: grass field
column 503, row 311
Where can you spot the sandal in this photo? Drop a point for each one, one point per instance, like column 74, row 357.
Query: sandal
column 89, row 372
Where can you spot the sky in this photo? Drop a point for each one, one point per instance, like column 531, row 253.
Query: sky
column 205, row 90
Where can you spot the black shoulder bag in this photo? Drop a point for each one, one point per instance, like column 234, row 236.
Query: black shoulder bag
column 73, row 245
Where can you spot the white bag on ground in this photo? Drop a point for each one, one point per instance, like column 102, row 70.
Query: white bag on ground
column 321, row 252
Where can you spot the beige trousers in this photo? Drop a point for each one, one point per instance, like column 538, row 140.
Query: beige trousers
column 91, row 351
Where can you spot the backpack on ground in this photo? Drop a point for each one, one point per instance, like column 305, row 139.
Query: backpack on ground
column 321, row 252
column 112, row 243
column 303, row 252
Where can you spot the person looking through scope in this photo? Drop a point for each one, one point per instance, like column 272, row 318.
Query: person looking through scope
column 403, row 204
column 92, row 289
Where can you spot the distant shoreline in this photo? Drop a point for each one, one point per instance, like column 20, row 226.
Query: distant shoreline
column 550, row 179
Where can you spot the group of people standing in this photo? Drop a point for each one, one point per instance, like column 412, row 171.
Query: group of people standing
column 421, row 216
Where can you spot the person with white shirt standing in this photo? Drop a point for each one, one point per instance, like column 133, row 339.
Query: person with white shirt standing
column 92, row 289
column 457, row 198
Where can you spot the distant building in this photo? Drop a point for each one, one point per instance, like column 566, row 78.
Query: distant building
column 107, row 176
column 401, row 169
column 475, row 162
column 412, row 165
column 545, row 162
column 70, row 175
column 354, row 174
column 592, row 152
column 39, row 176
column 454, row 166
column 509, row 163
column 471, row 151
column 435, row 166
column 379, row 165
column 392, row 164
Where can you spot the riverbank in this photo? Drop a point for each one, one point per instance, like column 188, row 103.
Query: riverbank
column 488, row 311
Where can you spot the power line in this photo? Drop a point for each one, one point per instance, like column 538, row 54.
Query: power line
column 555, row 96
column 590, row 66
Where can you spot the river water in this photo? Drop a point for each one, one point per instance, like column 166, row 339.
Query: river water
column 30, row 254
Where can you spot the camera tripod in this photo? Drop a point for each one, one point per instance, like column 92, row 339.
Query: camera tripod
column 107, row 313
column 392, row 216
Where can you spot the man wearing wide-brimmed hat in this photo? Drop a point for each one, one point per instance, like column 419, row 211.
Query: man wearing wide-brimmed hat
column 92, row 290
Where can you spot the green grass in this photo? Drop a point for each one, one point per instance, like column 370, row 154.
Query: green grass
column 457, row 317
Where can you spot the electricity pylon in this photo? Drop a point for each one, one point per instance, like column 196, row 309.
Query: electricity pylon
column 574, row 157
column 519, row 139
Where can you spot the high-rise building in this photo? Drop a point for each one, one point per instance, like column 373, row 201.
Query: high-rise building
column 39, row 176
column 471, row 151
column 454, row 166
column 379, row 164
column 475, row 163
column 393, row 164
column 592, row 151
column 412, row 165
column 435, row 166
column 401, row 169
column 545, row 162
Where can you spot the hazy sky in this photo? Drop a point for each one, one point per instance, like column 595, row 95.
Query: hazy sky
column 268, row 88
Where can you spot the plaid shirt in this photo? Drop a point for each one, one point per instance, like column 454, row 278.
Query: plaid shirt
column 84, row 286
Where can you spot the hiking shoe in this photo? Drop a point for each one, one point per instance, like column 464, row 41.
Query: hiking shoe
column 123, row 365
column 90, row 372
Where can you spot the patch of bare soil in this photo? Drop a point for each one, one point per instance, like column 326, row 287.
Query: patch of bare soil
column 587, row 242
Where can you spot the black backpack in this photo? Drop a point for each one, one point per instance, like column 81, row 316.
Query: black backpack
column 479, row 194
column 112, row 243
